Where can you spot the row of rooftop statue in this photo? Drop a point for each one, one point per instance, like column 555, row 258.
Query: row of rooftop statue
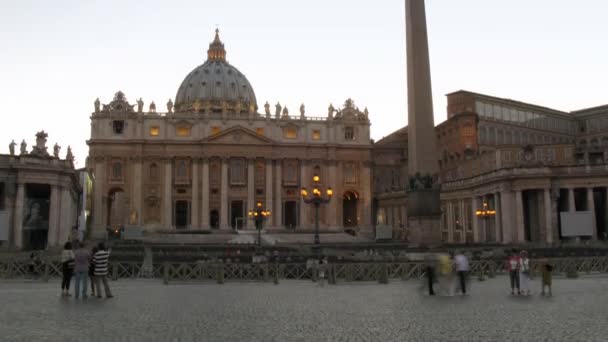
column 120, row 103
column 40, row 149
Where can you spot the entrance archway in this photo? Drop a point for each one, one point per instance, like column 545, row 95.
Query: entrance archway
column 214, row 219
column 349, row 209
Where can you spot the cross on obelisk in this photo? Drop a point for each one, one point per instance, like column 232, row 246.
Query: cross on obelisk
column 423, row 204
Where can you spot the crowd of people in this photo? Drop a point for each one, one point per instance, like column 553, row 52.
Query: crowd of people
column 85, row 265
column 445, row 268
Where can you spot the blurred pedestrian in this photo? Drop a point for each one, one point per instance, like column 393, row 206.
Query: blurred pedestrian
column 100, row 260
column 67, row 265
column 524, row 273
column 513, row 269
column 546, row 278
column 445, row 274
column 94, row 290
column 462, row 269
column 429, row 270
column 82, row 257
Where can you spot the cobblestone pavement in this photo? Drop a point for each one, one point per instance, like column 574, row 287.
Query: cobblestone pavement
column 302, row 311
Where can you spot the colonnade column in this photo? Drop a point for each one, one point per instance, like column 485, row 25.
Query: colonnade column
column 474, row 207
column 366, row 180
column 54, row 208
column 519, row 217
column 99, row 216
column 224, row 224
column 278, row 204
column 304, row 181
column 250, row 191
column 194, row 206
column 497, row 218
column 205, row 193
column 571, row 202
column 168, row 195
column 66, row 216
column 136, row 182
column 18, row 218
column 268, row 191
column 332, row 213
column 450, row 220
column 591, row 208
column 548, row 217
column 506, row 206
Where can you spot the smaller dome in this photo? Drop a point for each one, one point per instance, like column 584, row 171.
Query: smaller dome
column 215, row 85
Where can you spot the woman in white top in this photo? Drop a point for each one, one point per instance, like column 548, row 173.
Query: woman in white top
column 524, row 273
column 67, row 263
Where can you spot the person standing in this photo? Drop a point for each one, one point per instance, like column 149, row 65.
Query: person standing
column 462, row 268
column 100, row 259
column 92, row 273
column 67, row 264
column 429, row 270
column 81, row 269
column 513, row 269
column 524, row 273
column 546, row 281
column 445, row 274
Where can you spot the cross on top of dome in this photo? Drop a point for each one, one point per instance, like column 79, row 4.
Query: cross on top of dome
column 216, row 50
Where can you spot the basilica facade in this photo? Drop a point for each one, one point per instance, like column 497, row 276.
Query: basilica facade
column 214, row 154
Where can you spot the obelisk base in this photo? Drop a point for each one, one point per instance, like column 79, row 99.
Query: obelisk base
column 424, row 230
column 424, row 216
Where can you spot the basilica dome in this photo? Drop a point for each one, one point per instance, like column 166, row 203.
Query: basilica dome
column 215, row 85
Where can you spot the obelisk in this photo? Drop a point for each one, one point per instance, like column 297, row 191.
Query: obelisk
column 423, row 204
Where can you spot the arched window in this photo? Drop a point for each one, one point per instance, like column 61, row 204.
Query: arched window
column 350, row 176
column 154, row 171
column 181, row 170
column 237, row 171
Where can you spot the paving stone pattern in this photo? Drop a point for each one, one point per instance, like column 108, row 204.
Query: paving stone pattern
column 302, row 311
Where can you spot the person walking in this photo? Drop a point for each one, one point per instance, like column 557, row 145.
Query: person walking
column 92, row 272
column 67, row 265
column 524, row 273
column 546, row 278
column 100, row 259
column 445, row 274
column 429, row 270
column 462, row 269
column 513, row 269
column 81, row 269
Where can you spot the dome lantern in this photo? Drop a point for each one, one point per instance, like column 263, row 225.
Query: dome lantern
column 216, row 51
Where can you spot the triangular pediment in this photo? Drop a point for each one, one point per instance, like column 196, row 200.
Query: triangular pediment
column 238, row 135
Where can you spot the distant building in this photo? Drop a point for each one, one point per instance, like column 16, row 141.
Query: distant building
column 39, row 195
column 205, row 161
column 525, row 162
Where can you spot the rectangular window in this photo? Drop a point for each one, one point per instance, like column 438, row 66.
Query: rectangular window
column 290, row 133
column 349, row 133
column 316, row 134
column 118, row 126
column 260, row 130
column 183, row 131
column 154, row 131
column 237, row 171
column 215, row 130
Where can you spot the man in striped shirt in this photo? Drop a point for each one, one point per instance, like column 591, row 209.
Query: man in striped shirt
column 100, row 259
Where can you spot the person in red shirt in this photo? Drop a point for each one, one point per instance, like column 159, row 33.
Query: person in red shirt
column 513, row 269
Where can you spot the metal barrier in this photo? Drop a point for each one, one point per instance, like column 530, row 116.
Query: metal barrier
column 265, row 272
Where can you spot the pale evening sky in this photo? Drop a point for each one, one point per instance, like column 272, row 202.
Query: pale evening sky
column 57, row 57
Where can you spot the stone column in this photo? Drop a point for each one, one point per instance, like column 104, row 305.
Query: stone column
column 548, row 217
column 99, row 216
column 506, row 206
column 194, row 206
column 168, row 195
column 366, row 186
column 278, row 202
column 250, row 191
column 571, row 202
column 476, row 225
column 332, row 206
column 268, row 191
column 55, row 207
column 304, row 182
column 591, row 208
column 449, row 219
column 224, row 224
column 136, row 187
column 65, row 218
column 389, row 216
column 497, row 218
column 205, row 192
column 18, row 218
column 519, row 217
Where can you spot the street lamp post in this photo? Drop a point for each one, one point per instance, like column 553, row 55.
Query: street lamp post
column 316, row 198
column 259, row 215
column 485, row 213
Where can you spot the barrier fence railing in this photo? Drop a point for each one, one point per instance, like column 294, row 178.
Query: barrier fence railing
column 221, row 272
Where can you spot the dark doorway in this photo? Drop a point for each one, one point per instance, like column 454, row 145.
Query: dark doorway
column 599, row 200
column 562, row 205
column 531, row 216
column 36, row 216
column 349, row 209
column 580, row 199
column 214, row 219
column 236, row 214
column 181, row 214
column 290, row 214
